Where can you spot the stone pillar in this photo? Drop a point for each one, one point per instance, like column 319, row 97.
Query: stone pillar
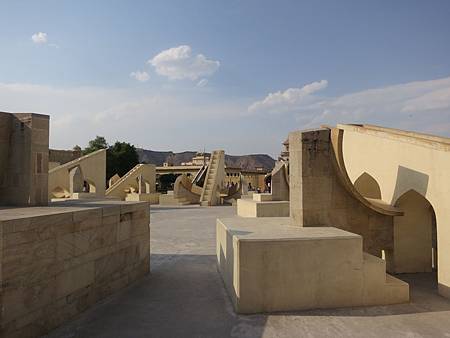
column 141, row 185
column 310, row 177
column 24, row 156
column 318, row 198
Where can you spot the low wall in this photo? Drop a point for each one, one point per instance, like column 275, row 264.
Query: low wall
column 152, row 198
column 251, row 208
column 63, row 156
column 59, row 260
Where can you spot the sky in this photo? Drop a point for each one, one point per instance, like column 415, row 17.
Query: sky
column 237, row 75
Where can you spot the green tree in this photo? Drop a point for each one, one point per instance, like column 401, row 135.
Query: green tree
column 98, row 143
column 120, row 158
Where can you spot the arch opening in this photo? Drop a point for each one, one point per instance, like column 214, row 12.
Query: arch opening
column 415, row 235
column 367, row 186
column 89, row 186
column 165, row 182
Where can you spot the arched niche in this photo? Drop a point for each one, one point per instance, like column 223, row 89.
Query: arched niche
column 367, row 186
column 75, row 180
column 89, row 186
column 415, row 235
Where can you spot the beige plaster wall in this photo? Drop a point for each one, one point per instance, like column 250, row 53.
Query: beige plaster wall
column 400, row 161
column 93, row 168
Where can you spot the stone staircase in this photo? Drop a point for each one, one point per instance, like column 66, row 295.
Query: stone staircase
column 171, row 199
column 214, row 177
column 120, row 183
column 380, row 287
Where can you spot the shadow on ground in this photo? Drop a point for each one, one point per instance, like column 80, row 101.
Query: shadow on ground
column 182, row 297
column 424, row 298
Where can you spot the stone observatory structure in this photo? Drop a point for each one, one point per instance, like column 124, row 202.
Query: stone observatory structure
column 139, row 184
column 89, row 173
column 363, row 200
column 273, row 204
column 57, row 259
column 210, row 192
column 408, row 171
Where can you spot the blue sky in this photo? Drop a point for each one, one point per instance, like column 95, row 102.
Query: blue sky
column 237, row 75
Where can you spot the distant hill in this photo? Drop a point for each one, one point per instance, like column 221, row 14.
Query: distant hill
column 244, row 161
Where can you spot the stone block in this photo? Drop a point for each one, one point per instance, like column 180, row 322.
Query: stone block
column 74, row 279
column 269, row 265
column 124, row 230
column 263, row 197
column 251, row 208
column 60, row 260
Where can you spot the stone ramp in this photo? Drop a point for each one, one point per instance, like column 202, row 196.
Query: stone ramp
column 140, row 180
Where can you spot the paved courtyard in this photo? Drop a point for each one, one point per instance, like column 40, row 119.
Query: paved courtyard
column 184, row 297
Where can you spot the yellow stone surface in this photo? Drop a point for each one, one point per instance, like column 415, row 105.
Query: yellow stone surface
column 250, row 208
column 269, row 265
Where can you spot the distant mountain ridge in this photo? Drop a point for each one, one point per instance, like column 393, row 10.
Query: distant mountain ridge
column 249, row 162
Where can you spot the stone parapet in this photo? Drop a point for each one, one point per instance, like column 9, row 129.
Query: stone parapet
column 58, row 261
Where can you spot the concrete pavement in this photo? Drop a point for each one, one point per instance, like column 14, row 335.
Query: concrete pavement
column 184, row 296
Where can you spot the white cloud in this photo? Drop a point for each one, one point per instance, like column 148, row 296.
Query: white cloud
column 421, row 105
column 202, row 83
column 284, row 100
column 150, row 117
column 39, row 38
column 140, row 76
column 178, row 63
column 135, row 115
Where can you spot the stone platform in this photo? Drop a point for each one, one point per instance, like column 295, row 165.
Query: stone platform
column 152, row 198
column 170, row 199
column 57, row 261
column 268, row 265
column 262, row 206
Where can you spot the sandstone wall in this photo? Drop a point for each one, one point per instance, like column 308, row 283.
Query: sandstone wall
column 58, row 261
column 63, row 156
